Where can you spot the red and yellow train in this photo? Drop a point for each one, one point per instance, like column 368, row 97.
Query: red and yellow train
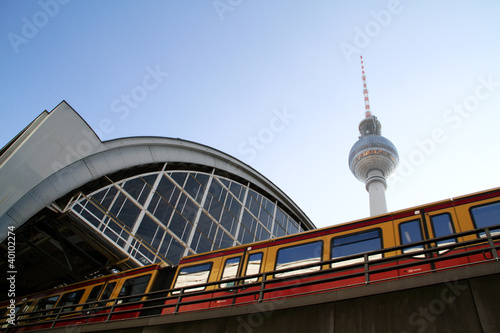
column 443, row 235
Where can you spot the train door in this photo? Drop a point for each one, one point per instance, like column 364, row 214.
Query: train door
column 230, row 269
column 411, row 231
column 253, row 264
column 441, row 223
column 68, row 305
column 135, row 285
column 89, row 295
column 103, row 293
column 246, row 263
column 43, row 311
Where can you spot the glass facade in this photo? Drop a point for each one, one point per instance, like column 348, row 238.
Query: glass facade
column 165, row 215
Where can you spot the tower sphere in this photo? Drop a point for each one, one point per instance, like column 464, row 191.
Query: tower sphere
column 373, row 152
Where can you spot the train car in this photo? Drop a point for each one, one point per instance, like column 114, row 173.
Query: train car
column 429, row 238
column 88, row 301
column 443, row 235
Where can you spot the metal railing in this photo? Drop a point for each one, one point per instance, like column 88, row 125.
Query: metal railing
column 152, row 303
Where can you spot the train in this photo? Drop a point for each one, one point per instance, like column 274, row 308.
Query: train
column 443, row 235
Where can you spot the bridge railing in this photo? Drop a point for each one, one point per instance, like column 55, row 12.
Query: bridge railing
column 365, row 265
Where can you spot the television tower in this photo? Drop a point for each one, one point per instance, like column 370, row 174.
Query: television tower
column 373, row 158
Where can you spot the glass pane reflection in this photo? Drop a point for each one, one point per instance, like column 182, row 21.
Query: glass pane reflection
column 176, row 213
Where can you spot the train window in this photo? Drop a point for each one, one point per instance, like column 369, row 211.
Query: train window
column 354, row 244
column 192, row 275
column 70, row 298
column 134, row 286
column 299, row 255
column 26, row 307
column 486, row 216
column 45, row 304
column 230, row 271
column 411, row 232
column 253, row 266
column 443, row 226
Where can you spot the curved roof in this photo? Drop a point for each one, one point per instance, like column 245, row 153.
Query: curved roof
column 59, row 153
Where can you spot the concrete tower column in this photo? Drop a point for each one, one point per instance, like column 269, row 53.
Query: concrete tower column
column 376, row 186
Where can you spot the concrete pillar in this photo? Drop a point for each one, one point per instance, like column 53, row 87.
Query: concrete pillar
column 376, row 186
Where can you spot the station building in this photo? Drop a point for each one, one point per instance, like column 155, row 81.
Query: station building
column 80, row 207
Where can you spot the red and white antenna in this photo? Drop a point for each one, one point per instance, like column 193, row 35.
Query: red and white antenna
column 368, row 113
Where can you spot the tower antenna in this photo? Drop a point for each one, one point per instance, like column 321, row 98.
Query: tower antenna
column 368, row 112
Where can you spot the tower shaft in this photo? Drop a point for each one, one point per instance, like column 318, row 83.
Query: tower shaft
column 376, row 186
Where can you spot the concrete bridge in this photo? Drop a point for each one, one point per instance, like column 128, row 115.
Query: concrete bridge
column 456, row 300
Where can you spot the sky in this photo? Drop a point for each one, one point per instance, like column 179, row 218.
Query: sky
column 276, row 84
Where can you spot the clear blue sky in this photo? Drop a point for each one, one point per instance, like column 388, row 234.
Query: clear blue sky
column 276, row 84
